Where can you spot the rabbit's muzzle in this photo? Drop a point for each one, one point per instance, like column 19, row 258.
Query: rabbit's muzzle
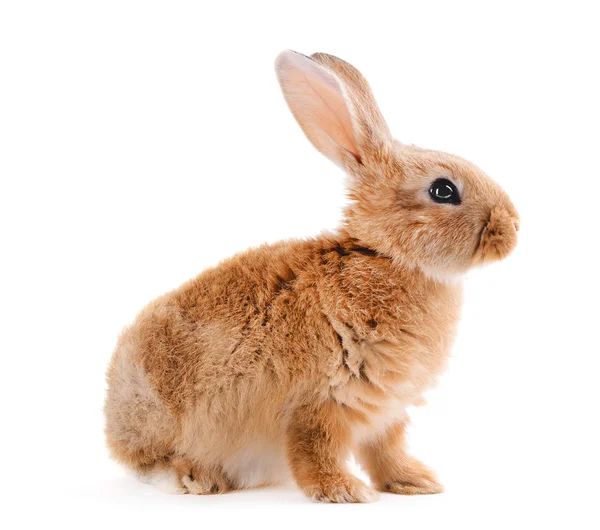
column 498, row 236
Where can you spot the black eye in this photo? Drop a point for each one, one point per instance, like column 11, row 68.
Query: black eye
column 444, row 191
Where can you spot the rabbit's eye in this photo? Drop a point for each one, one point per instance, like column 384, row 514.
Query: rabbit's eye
column 444, row 191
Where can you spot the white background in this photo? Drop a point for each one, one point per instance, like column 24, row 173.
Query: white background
column 141, row 142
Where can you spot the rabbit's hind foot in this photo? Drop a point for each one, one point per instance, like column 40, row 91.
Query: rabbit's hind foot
column 177, row 475
column 198, row 480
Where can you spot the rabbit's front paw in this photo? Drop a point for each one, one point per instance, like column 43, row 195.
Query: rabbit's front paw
column 414, row 486
column 411, row 478
column 341, row 488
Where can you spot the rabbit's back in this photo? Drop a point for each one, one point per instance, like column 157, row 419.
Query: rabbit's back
column 251, row 322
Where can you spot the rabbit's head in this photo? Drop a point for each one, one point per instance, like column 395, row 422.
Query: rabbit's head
column 423, row 208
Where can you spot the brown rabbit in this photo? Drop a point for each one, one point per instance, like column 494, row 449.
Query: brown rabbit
column 289, row 357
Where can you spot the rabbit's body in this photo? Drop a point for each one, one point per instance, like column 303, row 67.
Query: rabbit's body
column 288, row 357
column 228, row 357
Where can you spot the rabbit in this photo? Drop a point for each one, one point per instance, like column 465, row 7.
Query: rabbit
column 285, row 359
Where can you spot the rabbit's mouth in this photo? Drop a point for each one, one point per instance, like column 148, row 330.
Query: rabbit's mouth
column 497, row 238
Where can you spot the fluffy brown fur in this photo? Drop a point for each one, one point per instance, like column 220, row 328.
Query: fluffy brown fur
column 289, row 357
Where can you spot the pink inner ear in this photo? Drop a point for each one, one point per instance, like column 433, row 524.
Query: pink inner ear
column 318, row 103
column 335, row 118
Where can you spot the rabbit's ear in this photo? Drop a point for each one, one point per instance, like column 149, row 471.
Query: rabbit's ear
column 334, row 105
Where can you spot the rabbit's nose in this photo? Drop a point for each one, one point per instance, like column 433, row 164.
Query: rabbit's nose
column 499, row 236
